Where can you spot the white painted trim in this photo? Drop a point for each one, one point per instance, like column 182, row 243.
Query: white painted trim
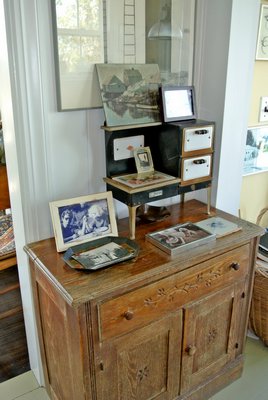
column 24, row 132
column 8, row 110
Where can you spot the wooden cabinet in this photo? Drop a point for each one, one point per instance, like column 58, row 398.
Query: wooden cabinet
column 156, row 327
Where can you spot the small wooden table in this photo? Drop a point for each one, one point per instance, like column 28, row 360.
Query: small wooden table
column 135, row 197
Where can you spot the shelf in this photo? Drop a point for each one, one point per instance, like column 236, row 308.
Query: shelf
column 124, row 127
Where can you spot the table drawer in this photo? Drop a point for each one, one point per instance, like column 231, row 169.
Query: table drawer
column 142, row 306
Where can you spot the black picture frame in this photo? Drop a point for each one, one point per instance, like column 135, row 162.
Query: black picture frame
column 178, row 103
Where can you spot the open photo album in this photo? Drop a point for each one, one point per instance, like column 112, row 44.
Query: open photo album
column 179, row 237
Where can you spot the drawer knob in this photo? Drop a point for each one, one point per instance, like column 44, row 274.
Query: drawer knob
column 235, row 266
column 200, row 161
column 128, row 315
column 201, row 131
column 191, row 350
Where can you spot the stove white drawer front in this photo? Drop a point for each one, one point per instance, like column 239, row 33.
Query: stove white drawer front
column 197, row 167
column 198, row 138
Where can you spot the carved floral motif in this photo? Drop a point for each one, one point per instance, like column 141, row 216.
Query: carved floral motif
column 142, row 373
column 212, row 334
column 205, row 279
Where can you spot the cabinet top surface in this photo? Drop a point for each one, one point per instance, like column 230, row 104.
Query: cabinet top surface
column 150, row 265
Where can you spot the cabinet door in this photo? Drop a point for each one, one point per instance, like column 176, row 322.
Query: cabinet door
column 211, row 335
column 142, row 365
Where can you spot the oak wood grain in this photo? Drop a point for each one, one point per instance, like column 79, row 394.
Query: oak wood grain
column 151, row 264
column 162, row 327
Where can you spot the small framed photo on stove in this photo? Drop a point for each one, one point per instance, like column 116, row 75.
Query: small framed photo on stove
column 143, row 159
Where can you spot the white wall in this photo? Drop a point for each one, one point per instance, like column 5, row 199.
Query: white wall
column 211, row 60
column 225, row 52
column 53, row 155
column 241, row 57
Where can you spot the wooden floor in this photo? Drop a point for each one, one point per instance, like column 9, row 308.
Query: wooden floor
column 14, row 359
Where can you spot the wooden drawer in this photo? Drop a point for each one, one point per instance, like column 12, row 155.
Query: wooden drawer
column 140, row 307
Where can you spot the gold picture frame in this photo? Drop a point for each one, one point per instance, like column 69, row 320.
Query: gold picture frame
column 143, row 159
column 83, row 219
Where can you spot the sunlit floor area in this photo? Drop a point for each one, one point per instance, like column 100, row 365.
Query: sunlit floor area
column 253, row 385
column 22, row 387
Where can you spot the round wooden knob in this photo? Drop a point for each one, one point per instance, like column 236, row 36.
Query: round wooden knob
column 128, row 315
column 191, row 350
column 235, row 266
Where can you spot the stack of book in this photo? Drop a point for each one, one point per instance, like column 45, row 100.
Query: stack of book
column 218, row 226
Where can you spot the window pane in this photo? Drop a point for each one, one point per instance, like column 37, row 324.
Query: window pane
column 89, row 14
column 66, row 14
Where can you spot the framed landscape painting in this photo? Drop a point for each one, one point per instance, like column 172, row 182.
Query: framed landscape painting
column 130, row 93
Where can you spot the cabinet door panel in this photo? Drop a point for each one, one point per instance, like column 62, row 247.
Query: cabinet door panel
column 143, row 365
column 63, row 352
column 210, row 335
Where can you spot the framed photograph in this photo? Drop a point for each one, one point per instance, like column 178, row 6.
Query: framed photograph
column 83, row 219
column 256, row 152
column 262, row 42
column 178, row 103
column 179, row 237
column 101, row 253
column 143, row 159
column 130, row 93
